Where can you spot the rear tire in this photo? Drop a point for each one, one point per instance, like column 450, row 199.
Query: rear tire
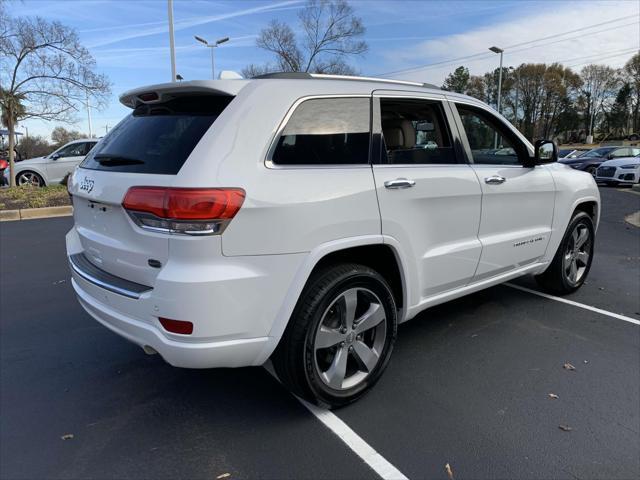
column 340, row 336
column 572, row 261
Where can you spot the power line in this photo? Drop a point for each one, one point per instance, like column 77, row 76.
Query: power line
column 623, row 51
column 605, row 58
column 484, row 55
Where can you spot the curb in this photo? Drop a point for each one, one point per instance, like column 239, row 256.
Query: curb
column 33, row 213
column 633, row 219
column 636, row 187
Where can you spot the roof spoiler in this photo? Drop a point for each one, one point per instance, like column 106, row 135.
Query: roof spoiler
column 166, row 91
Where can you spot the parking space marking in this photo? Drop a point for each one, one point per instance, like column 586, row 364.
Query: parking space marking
column 575, row 304
column 355, row 442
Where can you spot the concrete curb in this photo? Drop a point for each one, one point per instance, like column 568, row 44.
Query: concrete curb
column 33, row 213
column 636, row 187
column 633, row 219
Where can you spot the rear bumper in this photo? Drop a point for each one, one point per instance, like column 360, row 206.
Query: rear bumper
column 229, row 353
column 233, row 303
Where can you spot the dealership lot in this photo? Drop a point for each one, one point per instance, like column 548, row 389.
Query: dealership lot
column 468, row 385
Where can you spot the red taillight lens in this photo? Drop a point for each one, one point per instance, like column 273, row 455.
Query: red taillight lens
column 177, row 326
column 183, row 210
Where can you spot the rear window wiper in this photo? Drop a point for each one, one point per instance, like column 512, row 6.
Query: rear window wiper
column 106, row 159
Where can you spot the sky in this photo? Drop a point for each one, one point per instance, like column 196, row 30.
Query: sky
column 420, row 40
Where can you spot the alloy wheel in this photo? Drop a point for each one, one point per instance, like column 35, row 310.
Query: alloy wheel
column 29, row 178
column 576, row 257
column 350, row 338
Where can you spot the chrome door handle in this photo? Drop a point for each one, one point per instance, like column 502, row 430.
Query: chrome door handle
column 399, row 183
column 494, row 180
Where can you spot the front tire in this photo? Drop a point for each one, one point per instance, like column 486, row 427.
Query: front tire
column 340, row 336
column 572, row 262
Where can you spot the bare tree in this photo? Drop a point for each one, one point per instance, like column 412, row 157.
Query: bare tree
column 61, row 136
column 44, row 73
column 330, row 34
column 599, row 86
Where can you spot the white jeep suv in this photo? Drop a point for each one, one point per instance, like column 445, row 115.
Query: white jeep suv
column 302, row 217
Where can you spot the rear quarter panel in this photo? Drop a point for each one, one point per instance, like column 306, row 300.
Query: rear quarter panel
column 286, row 210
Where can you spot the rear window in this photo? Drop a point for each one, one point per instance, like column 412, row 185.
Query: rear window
column 157, row 138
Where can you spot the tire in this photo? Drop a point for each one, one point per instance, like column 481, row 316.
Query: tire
column 559, row 277
column 592, row 170
column 322, row 336
column 28, row 177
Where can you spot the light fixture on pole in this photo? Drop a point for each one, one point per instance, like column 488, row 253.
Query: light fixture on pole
column 500, row 51
column 211, row 46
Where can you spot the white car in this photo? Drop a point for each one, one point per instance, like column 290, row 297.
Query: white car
column 295, row 217
column 620, row 170
column 52, row 168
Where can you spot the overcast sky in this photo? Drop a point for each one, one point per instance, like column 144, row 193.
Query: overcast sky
column 406, row 38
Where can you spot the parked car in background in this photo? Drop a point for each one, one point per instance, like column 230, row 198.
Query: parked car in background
column 571, row 152
column 620, row 170
column 52, row 168
column 591, row 160
column 308, row 230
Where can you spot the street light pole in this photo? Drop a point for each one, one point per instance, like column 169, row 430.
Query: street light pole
column 212, row 46
column 500, row 51
column 172, row 47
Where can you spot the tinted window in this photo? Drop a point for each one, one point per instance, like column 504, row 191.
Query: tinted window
column 326, row 131
column 73, row 150
column 414, row 132
column 490, row 141
column 157, row 138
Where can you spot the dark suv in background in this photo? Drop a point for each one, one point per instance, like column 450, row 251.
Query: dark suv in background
column 591, row 160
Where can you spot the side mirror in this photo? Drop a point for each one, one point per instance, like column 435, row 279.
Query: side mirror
column 546, row 151
column 55, row 156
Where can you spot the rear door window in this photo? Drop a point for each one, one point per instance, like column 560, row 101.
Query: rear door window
column 157, row 138
column 326, row 131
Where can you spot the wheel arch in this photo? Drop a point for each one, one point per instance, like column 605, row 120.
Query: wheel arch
column 370, row 250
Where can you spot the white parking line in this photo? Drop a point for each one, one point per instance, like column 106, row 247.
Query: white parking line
column 575, row 304
column 366, row 452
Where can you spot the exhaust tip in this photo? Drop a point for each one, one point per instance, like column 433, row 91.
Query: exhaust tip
column 149, row 350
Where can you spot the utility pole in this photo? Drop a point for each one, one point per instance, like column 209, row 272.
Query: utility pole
column 172, row 47
column 106, row 129
column 88, row 114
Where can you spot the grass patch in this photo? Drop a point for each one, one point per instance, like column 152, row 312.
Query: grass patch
column 13, row 198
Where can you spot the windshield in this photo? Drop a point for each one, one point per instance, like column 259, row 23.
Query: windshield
column 157, row 138
column 596, row 152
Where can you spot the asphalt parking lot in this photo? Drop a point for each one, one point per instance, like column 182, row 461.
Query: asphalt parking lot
column 468, row 385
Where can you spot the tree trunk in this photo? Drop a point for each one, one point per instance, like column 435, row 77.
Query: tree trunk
column 12, row 145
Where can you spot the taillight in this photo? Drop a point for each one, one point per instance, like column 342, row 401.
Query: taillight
column 191, row 211
column 177, row 326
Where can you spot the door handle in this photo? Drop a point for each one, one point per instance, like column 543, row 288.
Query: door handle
column 494, row 180
column 399, row 183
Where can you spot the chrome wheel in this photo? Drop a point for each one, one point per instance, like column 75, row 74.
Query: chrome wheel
column 350, row 338
column 29, row 178
column 576, row 257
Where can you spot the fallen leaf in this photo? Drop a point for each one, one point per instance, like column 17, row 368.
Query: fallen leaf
column 586, row 361
column 568, row 366
column 565, row 428
column 447, row 468
column 553, row 395
column 67, row 436
column 224, row 475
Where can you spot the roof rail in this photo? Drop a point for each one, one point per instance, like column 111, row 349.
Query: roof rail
column 286, row 75
column 321, row 76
